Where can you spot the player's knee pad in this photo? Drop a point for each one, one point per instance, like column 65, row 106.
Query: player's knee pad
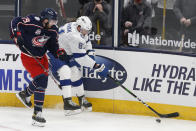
column 64, row 72
column 41, row 81
column 75, row 74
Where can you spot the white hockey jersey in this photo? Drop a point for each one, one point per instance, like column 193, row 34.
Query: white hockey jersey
column 75, row 44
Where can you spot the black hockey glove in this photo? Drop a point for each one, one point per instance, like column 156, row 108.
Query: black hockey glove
column 19, row 40
column 62, row 55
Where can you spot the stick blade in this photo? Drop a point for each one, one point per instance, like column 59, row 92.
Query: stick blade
column 175, row 114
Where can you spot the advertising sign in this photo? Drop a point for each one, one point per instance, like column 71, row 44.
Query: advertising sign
column 156, row 78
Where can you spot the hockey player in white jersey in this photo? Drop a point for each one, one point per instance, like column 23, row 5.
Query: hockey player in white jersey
column 62, row 73
column 73, row 38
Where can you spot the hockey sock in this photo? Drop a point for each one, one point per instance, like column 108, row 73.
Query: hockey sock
column 33, row 85
column 66, row 91
column 30, row 89
column 39, row 96
column 65, row 80
column 78, row 87
column 39, row 92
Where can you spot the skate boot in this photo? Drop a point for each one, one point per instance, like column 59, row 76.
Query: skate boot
column 22, row 96
column 38, row 120
column 87, row 106
column 71, row 108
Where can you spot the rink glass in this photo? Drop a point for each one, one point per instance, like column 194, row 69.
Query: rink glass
column 169, row 30
column 7, row 12
column 69, row 12
column 168, row 37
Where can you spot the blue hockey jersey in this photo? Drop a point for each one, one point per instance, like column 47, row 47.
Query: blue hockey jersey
column 37, row 39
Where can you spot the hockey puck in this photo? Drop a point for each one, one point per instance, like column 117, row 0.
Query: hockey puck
column 158, row 120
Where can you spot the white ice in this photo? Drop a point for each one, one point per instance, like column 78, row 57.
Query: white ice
column 19, row 119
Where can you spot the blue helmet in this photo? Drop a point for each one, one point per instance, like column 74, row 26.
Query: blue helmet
column 49, row 14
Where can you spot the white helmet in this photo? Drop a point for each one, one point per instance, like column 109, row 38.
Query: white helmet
column 85, row 23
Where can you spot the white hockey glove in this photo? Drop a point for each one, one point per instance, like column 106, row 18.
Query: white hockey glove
column 101, row 70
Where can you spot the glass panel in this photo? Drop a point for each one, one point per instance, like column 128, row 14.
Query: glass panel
column 36, row 6
column 69, row 10
column 7, row 12
column 100, row 13
column 136, row 22
column 161, row 29
column 185, row 24
column 166, row 22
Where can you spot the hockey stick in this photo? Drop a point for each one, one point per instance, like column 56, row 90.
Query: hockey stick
column 45, row 70
column 175, row 114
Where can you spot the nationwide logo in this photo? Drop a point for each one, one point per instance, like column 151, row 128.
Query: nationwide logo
column 134, row 39
column 93, row 82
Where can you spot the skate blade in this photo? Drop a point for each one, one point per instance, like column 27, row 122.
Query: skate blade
column 17, row 95
column 87, row 109
column 72, row 112
column 39, row 124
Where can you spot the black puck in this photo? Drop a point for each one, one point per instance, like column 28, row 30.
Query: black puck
column 158, row 120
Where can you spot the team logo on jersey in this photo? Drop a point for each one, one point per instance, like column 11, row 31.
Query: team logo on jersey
column 38, row 32
column 93, row 82
column 40, row 41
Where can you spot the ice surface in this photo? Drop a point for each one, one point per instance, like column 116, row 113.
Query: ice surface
column 19, row 119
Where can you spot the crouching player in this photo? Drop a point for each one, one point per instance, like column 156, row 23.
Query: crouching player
column 73, row 38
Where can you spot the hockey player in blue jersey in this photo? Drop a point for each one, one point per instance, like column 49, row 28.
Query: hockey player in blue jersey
column 34, row 35
column 73, row 38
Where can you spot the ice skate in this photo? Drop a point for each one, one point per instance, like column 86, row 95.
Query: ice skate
column 38, row 120
column 86, row 106
column 24, row 99
column 71, row 108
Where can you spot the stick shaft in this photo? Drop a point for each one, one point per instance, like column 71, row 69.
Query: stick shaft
column 149, row 107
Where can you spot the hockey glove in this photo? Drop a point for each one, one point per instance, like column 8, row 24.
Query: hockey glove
column 101, row 70
column 62, row 55
column 19, row 40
